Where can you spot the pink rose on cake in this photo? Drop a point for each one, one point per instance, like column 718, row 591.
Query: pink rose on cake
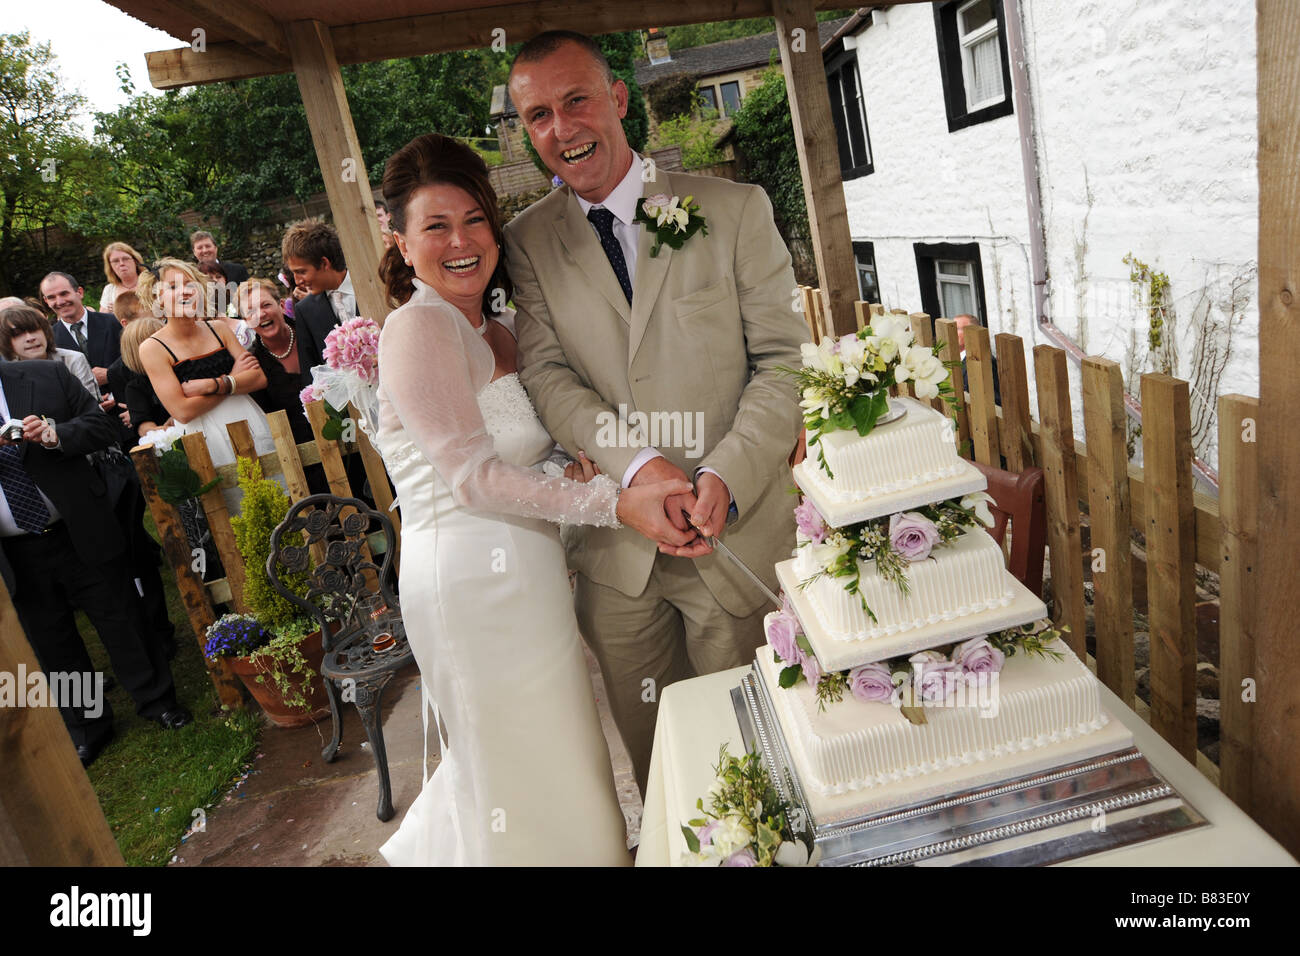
column 810, row 522
column 913, row 535
column 812, row 670
column 978, row 656
column 782, row 633
column 933, row 675
column 872, row 683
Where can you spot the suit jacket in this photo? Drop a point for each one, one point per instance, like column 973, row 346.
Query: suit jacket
column 74, row 487
column 235, row 272
column 314, row 318
column 103, row 338
column 708, row 328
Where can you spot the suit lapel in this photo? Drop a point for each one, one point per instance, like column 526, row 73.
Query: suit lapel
column 579, row 239
column 20, row 396
column 650, row 272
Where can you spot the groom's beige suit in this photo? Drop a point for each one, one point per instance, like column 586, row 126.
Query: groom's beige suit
column 708, row 328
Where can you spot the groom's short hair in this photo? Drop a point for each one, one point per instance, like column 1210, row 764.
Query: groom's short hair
column 544, row 44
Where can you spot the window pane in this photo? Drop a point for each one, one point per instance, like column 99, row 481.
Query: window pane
column 976, row 16
column 954, row 268
column 867, row 286
column 853, row 113
column 731, row 97
column 986, row 71
column 956, row 298
column 841, row 124
column 709, row 95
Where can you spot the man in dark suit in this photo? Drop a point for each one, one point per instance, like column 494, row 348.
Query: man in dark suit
column 314, row 254
column 205, row 250
column 63, row 548
column 97, row 335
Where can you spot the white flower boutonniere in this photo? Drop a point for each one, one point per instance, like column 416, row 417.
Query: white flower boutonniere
column 670, row 219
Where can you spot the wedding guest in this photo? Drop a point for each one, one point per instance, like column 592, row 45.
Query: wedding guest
column 94, row 334
column 127, row 308
column 962, row 321
column 205, row 249
column 146, row 412
column 315, row 256
column 385, row 220
column 25, row 334
column 274, row 347
column 62, row 550
column 122, row 267
column 295, row 292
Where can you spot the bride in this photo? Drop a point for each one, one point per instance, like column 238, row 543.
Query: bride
column 525, row 775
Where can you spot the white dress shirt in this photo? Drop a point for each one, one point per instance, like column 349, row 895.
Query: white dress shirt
column 343, row 299
column 8, row 526
column 83, row 321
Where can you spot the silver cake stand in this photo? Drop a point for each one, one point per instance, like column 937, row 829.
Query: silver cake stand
column 1071, row 811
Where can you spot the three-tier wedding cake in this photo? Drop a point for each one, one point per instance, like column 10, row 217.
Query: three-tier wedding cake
column 908, row 662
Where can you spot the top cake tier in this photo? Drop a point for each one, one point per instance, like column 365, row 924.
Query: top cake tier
column 908, row 462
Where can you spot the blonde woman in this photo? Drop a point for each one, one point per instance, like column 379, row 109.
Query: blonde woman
column 123, row 267
column 198, row 369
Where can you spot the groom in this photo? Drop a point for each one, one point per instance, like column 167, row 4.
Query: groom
column 656, row 366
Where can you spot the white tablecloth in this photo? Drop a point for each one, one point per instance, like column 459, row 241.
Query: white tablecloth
column 696, row 717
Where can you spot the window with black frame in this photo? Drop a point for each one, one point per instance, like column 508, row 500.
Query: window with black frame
column 709, row 97
column 973, row 61
column 730, row 97
column 864, row 256
column 849, row 112
column 951, row 279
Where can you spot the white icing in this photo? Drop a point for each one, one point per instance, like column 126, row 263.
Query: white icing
column 959, row 579
column 855, row 746
column 915, row 450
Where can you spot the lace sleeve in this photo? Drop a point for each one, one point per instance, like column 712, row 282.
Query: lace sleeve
column 431, row 378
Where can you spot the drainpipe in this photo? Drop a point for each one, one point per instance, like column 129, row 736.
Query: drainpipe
column 1037, row 232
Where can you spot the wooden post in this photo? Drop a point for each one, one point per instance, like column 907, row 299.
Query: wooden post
column 189, row 583
column 1276, row 775
column 341, row 163
column 862, row 314
column 49, row 815
column 1171, row 559
column 819, row 158
column 1015, row 430
column 946, row 330
column 1110, row 516
column 331, row 458
column 214, row 506
column 1238, row 597
column 983, row 409
column 287, row 451
column 1061, row 483
column 810, row 313
column 923, row 334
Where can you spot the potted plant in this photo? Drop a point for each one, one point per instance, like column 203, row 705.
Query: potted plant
column 283, row 671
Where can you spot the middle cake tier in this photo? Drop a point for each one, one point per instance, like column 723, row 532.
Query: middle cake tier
column 961, row 590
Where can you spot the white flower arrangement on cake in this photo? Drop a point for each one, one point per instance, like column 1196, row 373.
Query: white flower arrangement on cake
column 894, row 542
column 844, row 383
column 909, row 683
column 746, row 823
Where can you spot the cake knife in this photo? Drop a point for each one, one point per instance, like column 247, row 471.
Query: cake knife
column 715, row 542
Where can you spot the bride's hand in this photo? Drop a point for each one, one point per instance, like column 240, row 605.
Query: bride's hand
column 584, row 469
column 642, row 507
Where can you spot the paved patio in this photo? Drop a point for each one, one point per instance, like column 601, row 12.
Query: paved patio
column 294, row 809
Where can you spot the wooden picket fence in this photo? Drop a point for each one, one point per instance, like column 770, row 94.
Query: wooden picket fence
column 1183, row 529
column 289, row 460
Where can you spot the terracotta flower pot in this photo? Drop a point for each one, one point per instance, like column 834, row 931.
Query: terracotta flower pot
column 267, row 694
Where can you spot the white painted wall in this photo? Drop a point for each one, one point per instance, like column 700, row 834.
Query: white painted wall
column 1145, row 126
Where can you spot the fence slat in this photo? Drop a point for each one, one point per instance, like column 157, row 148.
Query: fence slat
column 923, row 334
column 1238, row 607
column 198, row 607
column 331, row 458
column 862, row 312
column 1061, row 481
column 983, row 408
column 242, row 438
column 1110, row 518
column 946, row 331
column 810, row 313
column 286, row 450
column 214, row 506
column 1014, row 385
column 1171, row 559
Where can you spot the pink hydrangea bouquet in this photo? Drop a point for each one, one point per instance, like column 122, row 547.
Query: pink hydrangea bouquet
column 354, row 346
column 350, row 373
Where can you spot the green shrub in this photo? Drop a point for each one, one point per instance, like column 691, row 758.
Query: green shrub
column 673, row 96
column 695, row 136
column 264, row 506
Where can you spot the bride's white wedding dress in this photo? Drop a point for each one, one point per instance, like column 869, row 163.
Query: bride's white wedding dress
column 525, row 777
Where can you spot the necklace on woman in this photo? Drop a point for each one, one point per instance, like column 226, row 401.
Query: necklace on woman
column 281, row 356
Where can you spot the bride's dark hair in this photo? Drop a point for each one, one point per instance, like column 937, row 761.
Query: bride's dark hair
column 427, row 160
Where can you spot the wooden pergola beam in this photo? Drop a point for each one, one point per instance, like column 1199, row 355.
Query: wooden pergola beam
column 341, row 162
column 819, row 158
column 242, row 21
column 1276, row 789
column 445, row 32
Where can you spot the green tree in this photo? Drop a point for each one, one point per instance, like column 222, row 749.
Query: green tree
column 765, row 137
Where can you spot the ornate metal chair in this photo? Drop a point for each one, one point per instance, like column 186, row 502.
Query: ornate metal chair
column 352, row 668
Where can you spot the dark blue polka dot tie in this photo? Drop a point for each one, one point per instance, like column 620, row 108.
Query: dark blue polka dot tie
column 603, row 220
column 25, row 502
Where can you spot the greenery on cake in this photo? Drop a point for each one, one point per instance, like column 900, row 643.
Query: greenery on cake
column 893, row 542
column 746, row 822
column 908, row 682
column 844, row 383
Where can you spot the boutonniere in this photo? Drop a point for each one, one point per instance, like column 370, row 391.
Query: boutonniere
column 670, row 219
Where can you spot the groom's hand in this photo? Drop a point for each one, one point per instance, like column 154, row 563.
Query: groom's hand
column 676, row 507
column 713, row 499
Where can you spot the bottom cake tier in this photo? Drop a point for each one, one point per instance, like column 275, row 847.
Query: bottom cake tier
column 857, row 758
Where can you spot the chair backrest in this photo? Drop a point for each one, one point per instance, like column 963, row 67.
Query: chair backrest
column 1020, row 500
column 345, row 573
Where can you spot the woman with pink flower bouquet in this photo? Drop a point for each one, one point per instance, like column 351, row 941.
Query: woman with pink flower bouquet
column 525, row 775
